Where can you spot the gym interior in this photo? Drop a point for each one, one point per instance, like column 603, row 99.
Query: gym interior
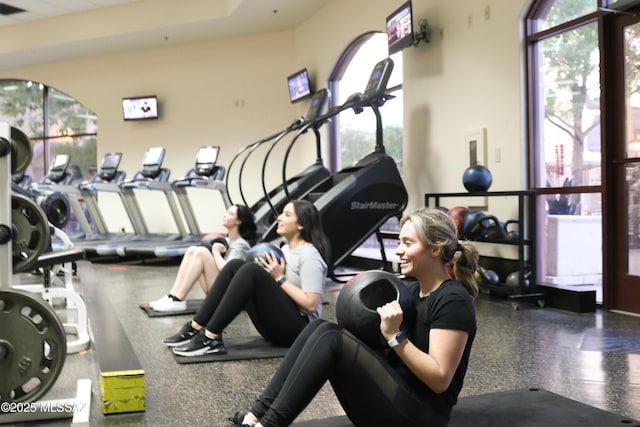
column 472, row 90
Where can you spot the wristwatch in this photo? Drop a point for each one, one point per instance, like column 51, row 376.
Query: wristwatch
column 397, row 339
column 281, row 280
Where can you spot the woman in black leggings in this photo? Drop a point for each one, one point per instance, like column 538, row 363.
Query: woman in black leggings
column 280, row 297
column 417, row 380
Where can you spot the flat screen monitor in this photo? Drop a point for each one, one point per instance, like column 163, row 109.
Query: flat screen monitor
column 153, row 157
column 140, row 108
column 400, row 28
column 206, row 161
column 299, row 85
column 208, row 154
column 58, row 168
column 319, row 103
column 379, row 78
column 60, row 163
column 111, row 161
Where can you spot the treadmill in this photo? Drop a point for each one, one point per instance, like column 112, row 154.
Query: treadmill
column 80, row 204
column 107, row 244
column 107, row 177
column 206, row 174
column 50, row 195
column 356, row 201
column 152, row 177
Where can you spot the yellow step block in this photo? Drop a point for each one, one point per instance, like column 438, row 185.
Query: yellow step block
column 122, row 391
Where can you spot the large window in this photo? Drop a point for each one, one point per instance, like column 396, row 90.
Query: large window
column 54, row 122
column 564, row 120
column 356, row 132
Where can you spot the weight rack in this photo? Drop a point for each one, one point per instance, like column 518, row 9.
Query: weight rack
column 79, row 407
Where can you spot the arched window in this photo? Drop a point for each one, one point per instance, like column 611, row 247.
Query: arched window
column 55, row 122
column 353, row 135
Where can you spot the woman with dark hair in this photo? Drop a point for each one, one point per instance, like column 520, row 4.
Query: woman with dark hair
column 415, row 382
column 203, row 263
column 281, row 297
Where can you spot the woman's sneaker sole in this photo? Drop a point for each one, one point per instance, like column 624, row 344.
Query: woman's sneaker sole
column 184, row 336
column 176, row 344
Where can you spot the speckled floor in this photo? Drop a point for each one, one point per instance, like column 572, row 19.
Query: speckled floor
column 593, row 358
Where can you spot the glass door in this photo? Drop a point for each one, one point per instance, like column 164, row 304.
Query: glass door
column 623, row 232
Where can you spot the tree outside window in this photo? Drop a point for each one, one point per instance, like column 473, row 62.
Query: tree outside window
column 564, row 82
column 71, row 127
column 55, row 123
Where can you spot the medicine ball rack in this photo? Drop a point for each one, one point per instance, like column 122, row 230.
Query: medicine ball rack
column 526, row 241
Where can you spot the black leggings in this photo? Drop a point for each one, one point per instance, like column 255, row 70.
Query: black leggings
column 247, row 286
column 370, row 391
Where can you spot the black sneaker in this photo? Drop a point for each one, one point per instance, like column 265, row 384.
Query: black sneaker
column 201, row 345
column 237, row 420
column 183, row 337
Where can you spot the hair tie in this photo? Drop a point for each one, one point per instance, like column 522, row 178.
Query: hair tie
column 459, row 247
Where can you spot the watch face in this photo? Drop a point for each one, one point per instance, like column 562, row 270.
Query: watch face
column 397, row 339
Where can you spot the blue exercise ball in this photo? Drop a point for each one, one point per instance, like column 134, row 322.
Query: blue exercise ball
column 260, row 251
column 477, row 178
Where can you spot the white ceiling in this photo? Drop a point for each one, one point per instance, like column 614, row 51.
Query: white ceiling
column 52, row 30
column 43, row 9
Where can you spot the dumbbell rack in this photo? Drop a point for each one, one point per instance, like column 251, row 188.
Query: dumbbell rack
column 526, row 242
column 77, row 408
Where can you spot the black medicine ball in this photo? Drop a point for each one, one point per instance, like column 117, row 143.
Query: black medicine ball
column 358, row 299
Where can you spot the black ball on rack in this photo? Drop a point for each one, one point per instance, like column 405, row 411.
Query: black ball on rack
column 359, row 297
column 477, row 178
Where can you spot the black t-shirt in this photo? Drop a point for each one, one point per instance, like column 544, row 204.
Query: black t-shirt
column 448, row 307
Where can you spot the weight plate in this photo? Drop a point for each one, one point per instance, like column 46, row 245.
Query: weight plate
column 56, row 207
column 30, row 232
column 34, row 346
column 21, row 151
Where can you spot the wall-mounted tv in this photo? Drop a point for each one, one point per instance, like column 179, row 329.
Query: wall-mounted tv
column 299, row 85
column 140, row 107
column 400, row 28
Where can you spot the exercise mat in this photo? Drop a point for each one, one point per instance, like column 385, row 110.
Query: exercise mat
column 514, row 408
column 192, row 306
column 239, row 348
